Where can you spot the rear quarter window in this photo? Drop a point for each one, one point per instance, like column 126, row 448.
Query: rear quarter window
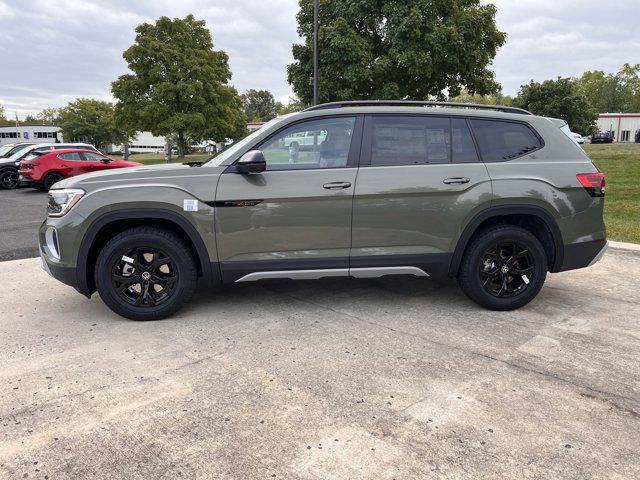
column 501, row 141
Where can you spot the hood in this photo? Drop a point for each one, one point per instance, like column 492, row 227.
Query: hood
column 152, row 174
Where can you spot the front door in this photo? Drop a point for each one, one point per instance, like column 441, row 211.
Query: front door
column 420, row 181
column 294, row 219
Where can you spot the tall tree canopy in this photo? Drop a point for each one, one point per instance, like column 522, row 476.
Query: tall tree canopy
column 92, row 121
column 612, row 93
column 259, row 105
column 179, row 84
column 396, row 49
column 559, row 98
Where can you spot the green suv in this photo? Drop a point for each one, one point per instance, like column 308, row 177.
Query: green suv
column 492, row 195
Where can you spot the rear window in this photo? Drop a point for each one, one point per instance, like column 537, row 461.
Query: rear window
column 501, row 141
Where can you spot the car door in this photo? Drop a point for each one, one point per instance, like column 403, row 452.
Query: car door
column 420, row 180
column 70, row 164
column 95, row 162
column 294, row 219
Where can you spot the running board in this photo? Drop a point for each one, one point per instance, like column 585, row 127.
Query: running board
column 375, row 272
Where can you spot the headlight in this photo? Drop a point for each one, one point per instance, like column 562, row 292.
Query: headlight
column 17, row 164
column 61, row 201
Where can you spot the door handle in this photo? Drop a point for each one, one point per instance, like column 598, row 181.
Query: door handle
column 336, row 185
column 456, row 181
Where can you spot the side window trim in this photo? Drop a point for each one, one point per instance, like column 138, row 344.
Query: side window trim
column 354, row 148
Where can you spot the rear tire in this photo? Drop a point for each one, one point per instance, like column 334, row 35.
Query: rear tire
column 146, row 273
column 50, row 180
column 9, row 179
column 503, row 268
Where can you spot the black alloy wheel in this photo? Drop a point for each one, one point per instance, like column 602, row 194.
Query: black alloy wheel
column 9, row 179
column 507, row 269
column 144, row 277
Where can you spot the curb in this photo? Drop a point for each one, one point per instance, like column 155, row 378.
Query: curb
column 625, row 246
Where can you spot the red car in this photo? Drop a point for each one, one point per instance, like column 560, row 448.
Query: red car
column 42, row 171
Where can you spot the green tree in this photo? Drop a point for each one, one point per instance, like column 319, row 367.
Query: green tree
column 561, row 98
column 259, row 105
column 49, row 116
column 3, row 120
column 293, row 105
column 395, row 49
column 92, row 121
column 179, row 84
column 30, row 120
column 492, row 99
column 612, row 93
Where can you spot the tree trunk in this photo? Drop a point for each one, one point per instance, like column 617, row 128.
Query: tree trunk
column 126, row 151
column 182, row 148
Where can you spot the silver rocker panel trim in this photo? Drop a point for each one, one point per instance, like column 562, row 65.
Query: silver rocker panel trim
column 375, row 272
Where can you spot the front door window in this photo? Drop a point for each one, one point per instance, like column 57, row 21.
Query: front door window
column 323, row 143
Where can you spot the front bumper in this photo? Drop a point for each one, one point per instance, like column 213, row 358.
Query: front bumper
column 66, row 275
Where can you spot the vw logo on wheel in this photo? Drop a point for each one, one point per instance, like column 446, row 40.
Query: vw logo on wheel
column 146, row 276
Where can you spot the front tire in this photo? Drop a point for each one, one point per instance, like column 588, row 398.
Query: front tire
column 145, row 273
column 503, row 268
column 9, row 179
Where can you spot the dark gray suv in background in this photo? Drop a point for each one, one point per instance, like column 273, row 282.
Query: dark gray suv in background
column 492, row 195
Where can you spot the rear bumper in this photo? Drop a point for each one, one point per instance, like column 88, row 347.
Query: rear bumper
column 582, row 254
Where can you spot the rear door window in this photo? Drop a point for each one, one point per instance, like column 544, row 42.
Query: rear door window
column 500, row 141
column 419, row 140
column 73, row 156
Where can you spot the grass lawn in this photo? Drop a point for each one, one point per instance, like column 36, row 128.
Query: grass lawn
column 151, row 158
column 620, row 162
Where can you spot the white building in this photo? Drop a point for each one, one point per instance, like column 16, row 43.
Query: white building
column 624, row 125
column 30, row 133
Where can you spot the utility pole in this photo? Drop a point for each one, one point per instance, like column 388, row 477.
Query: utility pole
column 315, row 52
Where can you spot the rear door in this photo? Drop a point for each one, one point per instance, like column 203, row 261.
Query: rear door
column 420, row 181
column 295, row 216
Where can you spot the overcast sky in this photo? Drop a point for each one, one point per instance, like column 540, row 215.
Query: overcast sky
column 55, row 51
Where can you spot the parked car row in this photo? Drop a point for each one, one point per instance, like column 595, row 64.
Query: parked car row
column 41, row 165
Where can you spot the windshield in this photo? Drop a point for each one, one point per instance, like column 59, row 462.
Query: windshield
column 18, row 153
column 5, row 149
column 219, row 158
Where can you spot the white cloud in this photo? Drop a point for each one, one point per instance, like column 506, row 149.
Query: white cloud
column 53, row 52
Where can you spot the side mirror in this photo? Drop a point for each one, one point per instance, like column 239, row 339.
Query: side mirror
column 252, row 162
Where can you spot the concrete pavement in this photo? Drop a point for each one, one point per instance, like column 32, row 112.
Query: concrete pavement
column 21, row 213
column 331, row 379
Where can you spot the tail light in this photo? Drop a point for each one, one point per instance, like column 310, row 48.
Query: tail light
column 593, row 183
column 29, row 165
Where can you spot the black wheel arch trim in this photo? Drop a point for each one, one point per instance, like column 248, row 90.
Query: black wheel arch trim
column 209, row 274
column 501, row 211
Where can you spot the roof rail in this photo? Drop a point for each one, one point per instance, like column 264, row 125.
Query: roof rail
column 415, row 103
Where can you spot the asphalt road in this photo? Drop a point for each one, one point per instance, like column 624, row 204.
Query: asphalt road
column 332, row 379
column 21, row 213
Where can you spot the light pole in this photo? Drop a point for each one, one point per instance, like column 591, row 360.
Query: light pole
column 315, row 52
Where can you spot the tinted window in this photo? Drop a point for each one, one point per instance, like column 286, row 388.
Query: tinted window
column 73, row 156
column 323, row 143
column 410, row 140
column 501, row 141
column 462, row 148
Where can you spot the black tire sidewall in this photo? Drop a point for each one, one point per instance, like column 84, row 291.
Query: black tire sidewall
column 469, row 277
column 168, row 243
